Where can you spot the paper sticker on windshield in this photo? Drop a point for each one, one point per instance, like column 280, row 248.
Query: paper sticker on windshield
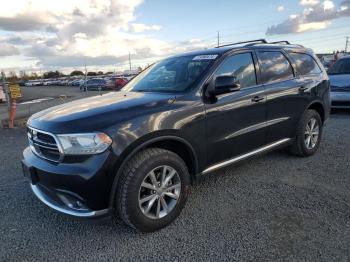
column 205, row 57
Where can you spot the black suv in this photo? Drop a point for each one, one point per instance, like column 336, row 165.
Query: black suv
column 135, row 153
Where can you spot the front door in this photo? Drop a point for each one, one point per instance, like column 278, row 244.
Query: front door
column 235, row 122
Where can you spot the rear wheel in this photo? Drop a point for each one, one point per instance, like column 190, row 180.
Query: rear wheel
column 152, row 189
column 308, row 134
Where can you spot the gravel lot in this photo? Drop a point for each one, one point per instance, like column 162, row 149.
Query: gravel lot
column 271, row 207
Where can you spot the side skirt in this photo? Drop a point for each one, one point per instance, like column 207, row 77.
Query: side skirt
column 244, row 156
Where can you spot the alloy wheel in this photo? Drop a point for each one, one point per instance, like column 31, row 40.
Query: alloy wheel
column 312, row 131
column 159, row 192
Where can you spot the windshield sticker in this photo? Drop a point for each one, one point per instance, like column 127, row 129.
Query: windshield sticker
column 205, row 57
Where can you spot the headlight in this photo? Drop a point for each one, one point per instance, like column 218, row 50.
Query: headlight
column 84, row 144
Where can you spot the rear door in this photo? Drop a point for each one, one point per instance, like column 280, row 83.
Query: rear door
column 286, row 98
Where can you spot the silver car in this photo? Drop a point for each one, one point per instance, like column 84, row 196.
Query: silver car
column 339, row 76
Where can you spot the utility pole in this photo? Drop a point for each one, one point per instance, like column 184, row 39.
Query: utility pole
column 218, row 38
column 346, row 45
column 129, row 62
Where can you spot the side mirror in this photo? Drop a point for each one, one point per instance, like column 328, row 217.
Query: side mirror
column 225, row 84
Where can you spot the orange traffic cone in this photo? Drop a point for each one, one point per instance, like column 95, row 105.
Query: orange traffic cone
column 12, row 113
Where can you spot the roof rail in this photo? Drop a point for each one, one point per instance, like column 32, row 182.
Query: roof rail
column 280, row 42
column 245, row 42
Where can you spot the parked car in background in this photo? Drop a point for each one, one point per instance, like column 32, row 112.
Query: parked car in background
column 135, row 153
column 33, row 83
column 97, row 84
column 120, row 82
column 339, row 76
column 2, row 95
column 22, row 82
column 78, row 82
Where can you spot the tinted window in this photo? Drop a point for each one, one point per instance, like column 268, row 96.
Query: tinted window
column 274, row 66
column 171, row 75
column 241, row 66
column 342, row 66
column 305, row 64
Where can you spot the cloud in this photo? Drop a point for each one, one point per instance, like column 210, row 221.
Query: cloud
column 315, row 16
column 139, row 28
column 75, row 32
column 280, row 8
column 309, row 2
column 78, row 61
column 8, row 50
column 26, row 22
column 328, row 5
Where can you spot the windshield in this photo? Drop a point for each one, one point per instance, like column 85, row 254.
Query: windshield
column 342, row 66
column 175, row 74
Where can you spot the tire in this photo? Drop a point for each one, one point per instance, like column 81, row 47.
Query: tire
column 138, row 170
column 303, row 146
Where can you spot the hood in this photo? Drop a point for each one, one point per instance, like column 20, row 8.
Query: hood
column 342, row 80
column 98, row 112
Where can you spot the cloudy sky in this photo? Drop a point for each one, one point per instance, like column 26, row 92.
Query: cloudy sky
column 49, row 34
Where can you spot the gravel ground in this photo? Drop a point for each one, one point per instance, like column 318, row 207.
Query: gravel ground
column 271, row 207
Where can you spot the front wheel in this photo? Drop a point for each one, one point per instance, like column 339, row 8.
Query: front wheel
column 309, row 134
column 152, row 189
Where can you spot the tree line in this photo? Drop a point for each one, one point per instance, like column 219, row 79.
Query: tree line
column 13, row 76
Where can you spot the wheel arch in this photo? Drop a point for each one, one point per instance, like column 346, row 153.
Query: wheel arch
column 173, row 143
column 319, row 108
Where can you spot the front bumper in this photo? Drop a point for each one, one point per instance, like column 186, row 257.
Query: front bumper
column 65, row 206
column 340, row 99
column 76, row 189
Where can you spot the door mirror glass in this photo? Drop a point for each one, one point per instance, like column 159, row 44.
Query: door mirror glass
column 226, row 84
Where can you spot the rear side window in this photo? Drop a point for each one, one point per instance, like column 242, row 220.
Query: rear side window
column 241, row 66
column 305, row 64
column 274, row 66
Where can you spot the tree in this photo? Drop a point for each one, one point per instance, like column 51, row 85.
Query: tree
column 77, row 73
column 52, row 74
column 12, row 76
column 34, row 75
column 23, row 75
column 91, row 74
column 100, row 73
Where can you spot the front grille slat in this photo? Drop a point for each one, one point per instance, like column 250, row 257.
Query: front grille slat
column 44, row 145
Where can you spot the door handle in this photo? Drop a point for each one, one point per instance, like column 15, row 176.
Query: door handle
column 302, row 88
column 257, row 99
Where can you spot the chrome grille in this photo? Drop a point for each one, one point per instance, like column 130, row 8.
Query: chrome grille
column 44, row 145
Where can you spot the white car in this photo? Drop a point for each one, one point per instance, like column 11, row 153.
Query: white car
column 2, row 95
column 339, row 76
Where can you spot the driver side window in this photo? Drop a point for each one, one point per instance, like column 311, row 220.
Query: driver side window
column 241, row 66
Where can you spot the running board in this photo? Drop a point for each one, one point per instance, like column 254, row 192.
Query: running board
column 241, row 157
